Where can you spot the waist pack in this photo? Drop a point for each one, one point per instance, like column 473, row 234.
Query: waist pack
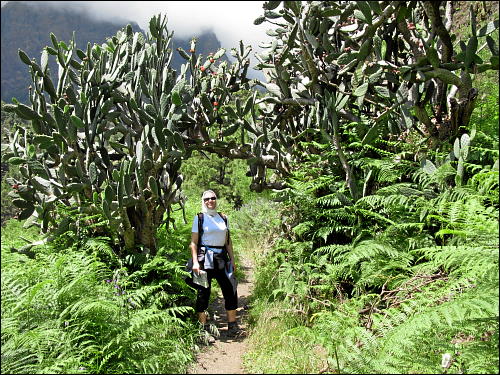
column 215, row 259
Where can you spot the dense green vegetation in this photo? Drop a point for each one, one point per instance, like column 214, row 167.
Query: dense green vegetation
column 78, row 308
column 403, row 277
column 390, row 283
column 379, row 255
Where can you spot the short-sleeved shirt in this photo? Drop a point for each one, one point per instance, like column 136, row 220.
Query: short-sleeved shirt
column 214, row 230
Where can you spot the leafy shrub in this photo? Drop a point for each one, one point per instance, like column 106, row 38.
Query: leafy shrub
column 226, row 177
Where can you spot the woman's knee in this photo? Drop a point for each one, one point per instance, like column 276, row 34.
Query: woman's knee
column 231, row 303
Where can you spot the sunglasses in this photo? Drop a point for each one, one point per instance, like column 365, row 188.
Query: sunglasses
column 209, row 199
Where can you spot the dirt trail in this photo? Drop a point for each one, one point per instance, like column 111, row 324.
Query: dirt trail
column 225, row 355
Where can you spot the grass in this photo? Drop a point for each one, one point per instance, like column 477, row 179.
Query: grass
column 280, row 343
column 13, row 234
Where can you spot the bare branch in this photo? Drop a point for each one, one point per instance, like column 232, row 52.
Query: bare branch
column 432, row 10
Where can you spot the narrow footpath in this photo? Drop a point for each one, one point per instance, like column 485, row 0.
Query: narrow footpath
column 225, row 355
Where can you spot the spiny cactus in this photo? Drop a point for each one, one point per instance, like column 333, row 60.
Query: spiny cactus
column 223, row 125
column 380, row 65
column 111, row 136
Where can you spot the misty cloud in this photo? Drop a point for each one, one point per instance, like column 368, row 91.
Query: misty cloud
column 231, row 21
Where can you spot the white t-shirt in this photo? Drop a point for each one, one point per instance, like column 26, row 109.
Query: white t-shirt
column 214, row 230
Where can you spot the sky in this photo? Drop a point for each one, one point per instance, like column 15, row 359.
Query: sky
column 231, row 21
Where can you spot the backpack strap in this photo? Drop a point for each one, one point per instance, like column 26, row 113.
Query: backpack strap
column 200, row 229
column 224, row 217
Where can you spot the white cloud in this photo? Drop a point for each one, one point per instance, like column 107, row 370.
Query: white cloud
column 231, row 21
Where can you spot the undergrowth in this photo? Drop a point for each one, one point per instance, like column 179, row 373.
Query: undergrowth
column 66, row 311
column 403, row 280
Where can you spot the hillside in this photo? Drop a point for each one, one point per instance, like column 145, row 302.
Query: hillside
column 27, row 25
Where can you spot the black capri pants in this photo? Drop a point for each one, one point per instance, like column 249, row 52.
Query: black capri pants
column 203, row 297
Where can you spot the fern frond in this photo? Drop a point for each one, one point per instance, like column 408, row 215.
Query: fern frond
column 138, row 297
column 334, row 227
column 17, row 360
column 372, row 214
column 461, row 311
column 95, row 311
column 485, row 183
column 149, row 317
column 370, row 249
column 475, row 262
column 332, row 251
column 100, row 245
column 408, row 227
column 303, row 227
column 330, row 200
column 12, row 289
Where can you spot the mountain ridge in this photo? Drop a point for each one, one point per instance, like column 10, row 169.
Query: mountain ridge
column 27, row 25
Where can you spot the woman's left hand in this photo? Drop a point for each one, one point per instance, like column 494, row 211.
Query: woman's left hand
column 234, row 265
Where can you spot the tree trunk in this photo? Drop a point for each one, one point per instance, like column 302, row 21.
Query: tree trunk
column 349, row 176
column 141, row 217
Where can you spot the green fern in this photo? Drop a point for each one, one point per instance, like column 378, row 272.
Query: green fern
column 101, row 248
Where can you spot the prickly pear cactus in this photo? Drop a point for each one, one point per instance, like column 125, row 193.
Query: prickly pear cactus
column 223, row 124
column 386, row 67
column 111, row 135
column 379, row 59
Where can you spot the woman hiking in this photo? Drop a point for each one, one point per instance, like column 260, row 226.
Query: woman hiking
column 212, row 252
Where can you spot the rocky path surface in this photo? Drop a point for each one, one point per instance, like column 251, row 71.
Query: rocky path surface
column 225, row 355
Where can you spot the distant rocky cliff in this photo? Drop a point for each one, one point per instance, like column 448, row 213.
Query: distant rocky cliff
column 27, row 25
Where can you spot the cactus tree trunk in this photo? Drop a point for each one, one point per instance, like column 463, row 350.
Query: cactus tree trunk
column 141, row 218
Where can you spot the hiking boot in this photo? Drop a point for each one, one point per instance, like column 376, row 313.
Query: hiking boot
column 233, row 330
column 206, row 339
column 209, row 333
